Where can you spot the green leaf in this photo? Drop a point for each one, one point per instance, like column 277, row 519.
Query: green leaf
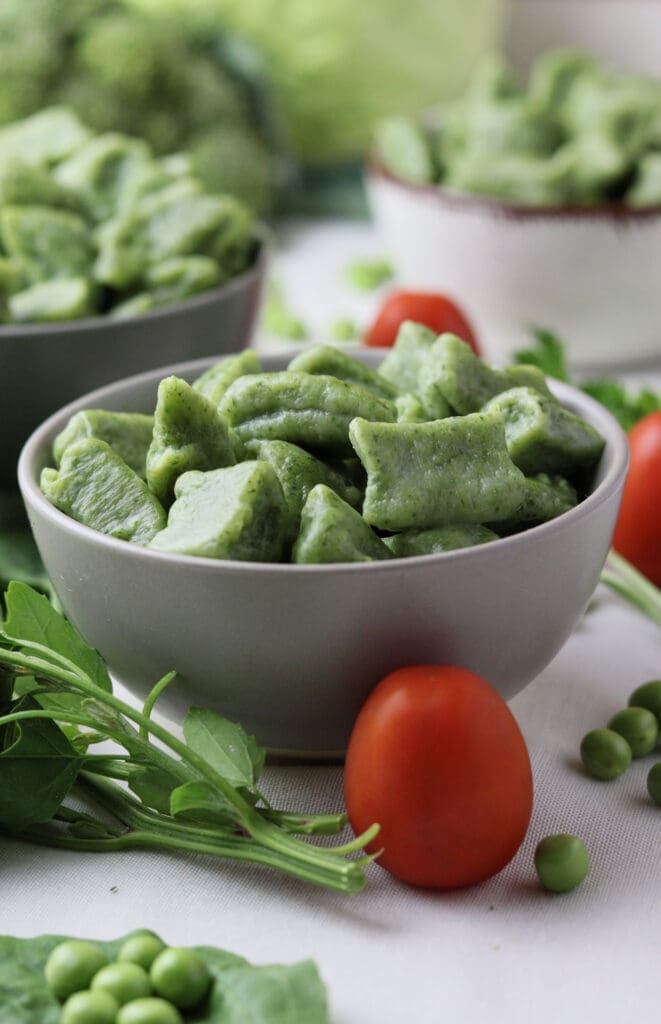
column 38, row 766
column 225, row 746
column 241, row 992
column 627, row 406
column 199, row 801
column 30, row 617
column 272, row 994
column 548, row 354
column 153, row 786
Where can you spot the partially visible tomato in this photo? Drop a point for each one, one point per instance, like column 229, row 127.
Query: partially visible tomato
column 438, row 760
column 638, row 531
column 438, row 312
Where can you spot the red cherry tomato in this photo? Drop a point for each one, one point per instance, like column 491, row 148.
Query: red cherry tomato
column 434, row 311
column 438, row 760
column 638, row 531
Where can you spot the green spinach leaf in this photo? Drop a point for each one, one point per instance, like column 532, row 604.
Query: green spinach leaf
column 38, row 766
column 201, row 802
column 30, row 617
column 154, row 787
column 269, row 995
column 225, row 746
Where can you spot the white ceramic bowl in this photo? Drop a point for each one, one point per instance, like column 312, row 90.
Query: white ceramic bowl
column 43, row 366
column 589, row 274
column 292, row 651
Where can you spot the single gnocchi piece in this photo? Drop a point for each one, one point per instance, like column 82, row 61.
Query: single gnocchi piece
column 52, row 301
column 545, row 497
column 438, row 539
column 312, row 410
column 129, row 434
column 100, row 168
column 96, row 488
column 177, row 278
column 402, row 364
column 332, row 531
column 298, row 472
column 454, row 470
column 214, row 382
column 238, row 512
column 410, row 409
column 47, row 243
column 329, row 360
column 544, row 437
column 188, row 434
column 464, row 381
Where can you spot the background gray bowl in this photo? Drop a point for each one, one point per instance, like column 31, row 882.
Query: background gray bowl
column 44, row 366
column 293, row 651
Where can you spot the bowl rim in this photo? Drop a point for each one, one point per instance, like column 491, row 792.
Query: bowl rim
column 467, row 202
column 31, row 458
column 105, row 322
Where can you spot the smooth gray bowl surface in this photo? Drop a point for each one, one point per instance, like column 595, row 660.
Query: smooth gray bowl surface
column 292, row 651
column 44, row 366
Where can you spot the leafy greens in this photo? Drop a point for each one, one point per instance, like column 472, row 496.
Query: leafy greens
column 199, row 795
column 269, row 994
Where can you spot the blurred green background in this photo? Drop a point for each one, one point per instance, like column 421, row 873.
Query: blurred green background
column 275, row 99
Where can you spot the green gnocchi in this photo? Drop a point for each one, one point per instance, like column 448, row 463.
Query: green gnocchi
column 97, row 224
column 302, row 466
column 576, row 134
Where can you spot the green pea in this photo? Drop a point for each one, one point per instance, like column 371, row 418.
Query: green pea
column 654, row 783
column 124, row 982
column 89, row 1008
column 141, row 949
column 605, row 754
column 561, row 862
column 149, row 1011
column 181, row 976
column 71, row 967
column 639, row 727
column 648, row 695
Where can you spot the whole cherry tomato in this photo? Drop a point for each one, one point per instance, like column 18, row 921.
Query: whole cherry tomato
column 438, row 760
column 638, row 531
column 438, row 312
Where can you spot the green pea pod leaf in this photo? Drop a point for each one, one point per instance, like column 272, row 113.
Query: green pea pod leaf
column 225, row 746
column 30, row 617
column 153, row 786
column 199, row 801
column 38, row 766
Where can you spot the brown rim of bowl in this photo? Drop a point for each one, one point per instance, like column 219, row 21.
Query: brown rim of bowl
column 516, row 211
column 103, row 321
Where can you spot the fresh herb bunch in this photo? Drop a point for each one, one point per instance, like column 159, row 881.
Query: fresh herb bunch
column 199, row 795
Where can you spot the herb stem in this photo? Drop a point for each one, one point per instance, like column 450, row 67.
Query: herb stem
column 626, row 581
column 350, row 881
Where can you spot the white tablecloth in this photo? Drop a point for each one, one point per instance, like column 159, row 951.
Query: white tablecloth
column 504, row 951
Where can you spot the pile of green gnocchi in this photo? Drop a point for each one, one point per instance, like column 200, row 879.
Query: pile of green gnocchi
column 576, row 134
column 329, row 460
column 93, row 224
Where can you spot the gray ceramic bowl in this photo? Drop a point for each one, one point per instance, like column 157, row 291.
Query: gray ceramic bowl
column 44, row 366
column 293, row 651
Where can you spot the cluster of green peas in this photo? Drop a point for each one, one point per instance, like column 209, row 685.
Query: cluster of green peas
column 631, row 733
column 149, row 983
column 562, row 861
